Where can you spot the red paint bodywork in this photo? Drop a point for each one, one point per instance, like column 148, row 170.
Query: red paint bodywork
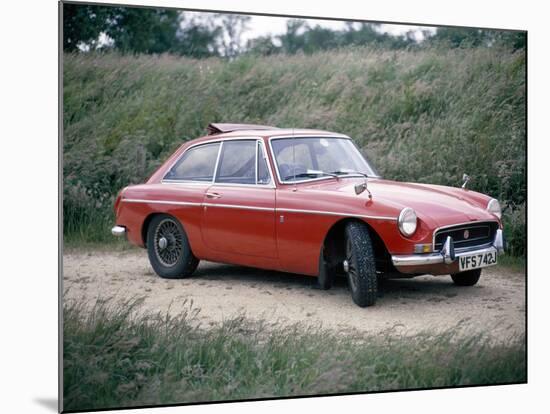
column 260, row 238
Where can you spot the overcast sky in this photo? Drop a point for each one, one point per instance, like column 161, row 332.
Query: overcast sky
column 263, row 25
column 269, row 25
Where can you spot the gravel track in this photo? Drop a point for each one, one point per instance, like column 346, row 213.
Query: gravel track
column 495, row 306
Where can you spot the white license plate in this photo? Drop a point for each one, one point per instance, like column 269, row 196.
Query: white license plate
column 476, row 261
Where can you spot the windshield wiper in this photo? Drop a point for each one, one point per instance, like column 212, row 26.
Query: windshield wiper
column 350, row 172
column 309, row 173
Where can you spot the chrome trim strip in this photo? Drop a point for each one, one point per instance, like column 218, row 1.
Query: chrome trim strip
column 334, row 213
column 217, row 162
column 235, row 206
column 209, row 184
column 256, row 165
column 186, row 182
column 186, row 203
column 287, row 210
column 177, row 203
column 335, row 135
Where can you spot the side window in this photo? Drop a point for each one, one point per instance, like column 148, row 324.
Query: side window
column 197, row 164
column 237, row 163
column 263, row 172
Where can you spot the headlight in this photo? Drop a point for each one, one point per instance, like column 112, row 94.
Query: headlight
column 494, row 207
column 407, row 221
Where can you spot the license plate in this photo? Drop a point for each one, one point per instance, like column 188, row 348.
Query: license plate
column 476, row 261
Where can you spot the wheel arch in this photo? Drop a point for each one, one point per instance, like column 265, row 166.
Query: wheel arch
column 147, row 221
column 334, row 240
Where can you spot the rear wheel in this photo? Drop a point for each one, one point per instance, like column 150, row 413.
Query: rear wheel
column 359, row 265
column 168, row 248
column 468, row 278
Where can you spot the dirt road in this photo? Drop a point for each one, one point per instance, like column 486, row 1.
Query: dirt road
column 495, row 306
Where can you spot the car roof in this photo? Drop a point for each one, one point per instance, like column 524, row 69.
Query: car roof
column 216, row 130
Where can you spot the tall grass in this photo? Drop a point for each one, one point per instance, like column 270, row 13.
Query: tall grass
column 115, row 356
column 421, row 115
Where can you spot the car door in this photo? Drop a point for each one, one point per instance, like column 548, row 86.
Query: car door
column 185, row 184
column 239, row 207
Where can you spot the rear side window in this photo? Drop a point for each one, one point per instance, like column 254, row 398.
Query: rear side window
column 197, row 164
column 237, row 163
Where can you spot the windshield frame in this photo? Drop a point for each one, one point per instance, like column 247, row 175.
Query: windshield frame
column 322, row 177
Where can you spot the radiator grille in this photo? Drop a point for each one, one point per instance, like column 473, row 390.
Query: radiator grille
column 466, row 235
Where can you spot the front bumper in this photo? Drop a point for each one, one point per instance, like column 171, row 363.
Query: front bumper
column 445, row 261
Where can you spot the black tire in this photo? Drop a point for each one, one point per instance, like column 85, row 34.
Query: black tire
column 326, row 273
column 468, row 278
column 175, row 260
column 361, row 267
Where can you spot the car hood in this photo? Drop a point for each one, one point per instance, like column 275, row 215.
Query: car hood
column 434, row 204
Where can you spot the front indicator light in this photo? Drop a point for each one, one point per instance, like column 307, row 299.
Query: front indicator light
column 422, row 248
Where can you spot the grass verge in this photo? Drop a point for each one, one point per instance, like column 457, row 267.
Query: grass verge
column 115, row 356
column 514, row 263
column 425, row 116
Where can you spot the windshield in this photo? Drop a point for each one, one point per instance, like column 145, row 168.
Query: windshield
column 302, row 159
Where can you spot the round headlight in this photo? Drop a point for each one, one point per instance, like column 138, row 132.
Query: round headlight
column 494, row 207
column 407, row 221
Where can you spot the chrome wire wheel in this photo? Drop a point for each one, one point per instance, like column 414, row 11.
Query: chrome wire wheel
column 168, row 242
column 350, row 266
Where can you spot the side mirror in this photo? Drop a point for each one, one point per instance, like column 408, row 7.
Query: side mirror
column 359, row 188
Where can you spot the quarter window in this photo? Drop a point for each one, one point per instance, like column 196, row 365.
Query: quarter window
column 197, row 164
column 263, row 172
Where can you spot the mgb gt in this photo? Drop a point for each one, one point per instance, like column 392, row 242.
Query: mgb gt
column 308, row 202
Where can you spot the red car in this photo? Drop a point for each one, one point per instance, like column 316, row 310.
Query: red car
column 304, row 201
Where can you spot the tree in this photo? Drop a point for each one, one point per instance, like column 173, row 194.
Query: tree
column 82, row 25
column 262, row 46
column 143, row 30
column 198, row 41
column 233, row 25
column 460, row 36
column 293, row 40
column 473, row 37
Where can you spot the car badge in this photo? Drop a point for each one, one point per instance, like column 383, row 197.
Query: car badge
column 466, row 234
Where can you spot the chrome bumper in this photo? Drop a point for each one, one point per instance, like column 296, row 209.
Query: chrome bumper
column 447, row 255
column 118, row 231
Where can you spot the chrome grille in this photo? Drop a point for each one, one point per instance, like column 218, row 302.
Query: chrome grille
column 466, row 235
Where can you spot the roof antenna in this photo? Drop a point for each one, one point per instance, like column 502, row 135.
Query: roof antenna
column 294, row 160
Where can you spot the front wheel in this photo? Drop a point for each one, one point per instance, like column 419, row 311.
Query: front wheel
column 359, row 265
column 168, row 248
column 468, row 278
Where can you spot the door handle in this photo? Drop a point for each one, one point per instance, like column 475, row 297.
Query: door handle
column 213, row 195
